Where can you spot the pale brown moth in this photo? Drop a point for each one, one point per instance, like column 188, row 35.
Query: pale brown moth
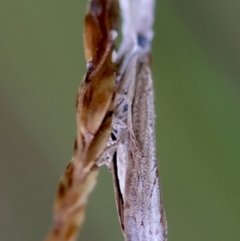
column 134, row 165
column 94, row 107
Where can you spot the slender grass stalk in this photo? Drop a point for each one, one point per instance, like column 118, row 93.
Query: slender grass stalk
column 94, row 121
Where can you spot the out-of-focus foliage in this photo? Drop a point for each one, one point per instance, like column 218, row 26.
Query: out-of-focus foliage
column 195, row 67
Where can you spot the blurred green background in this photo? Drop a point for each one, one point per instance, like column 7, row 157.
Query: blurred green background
column 196, row 72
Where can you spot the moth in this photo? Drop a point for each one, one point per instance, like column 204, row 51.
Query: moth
column 134, row 165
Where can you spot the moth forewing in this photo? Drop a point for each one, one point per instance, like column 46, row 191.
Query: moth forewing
column 142, row 206
column 134, row 167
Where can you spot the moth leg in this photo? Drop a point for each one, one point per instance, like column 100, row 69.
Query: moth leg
column 113, row 144
column 123, row 111
column 107, row 155
column 118, row 123
column 124, row 119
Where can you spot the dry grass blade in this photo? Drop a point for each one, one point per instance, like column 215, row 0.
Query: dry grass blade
column 94, row 119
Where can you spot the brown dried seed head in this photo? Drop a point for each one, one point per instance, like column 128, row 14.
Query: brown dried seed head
column 92, row 36
column 99, row 142
column 94, row 117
